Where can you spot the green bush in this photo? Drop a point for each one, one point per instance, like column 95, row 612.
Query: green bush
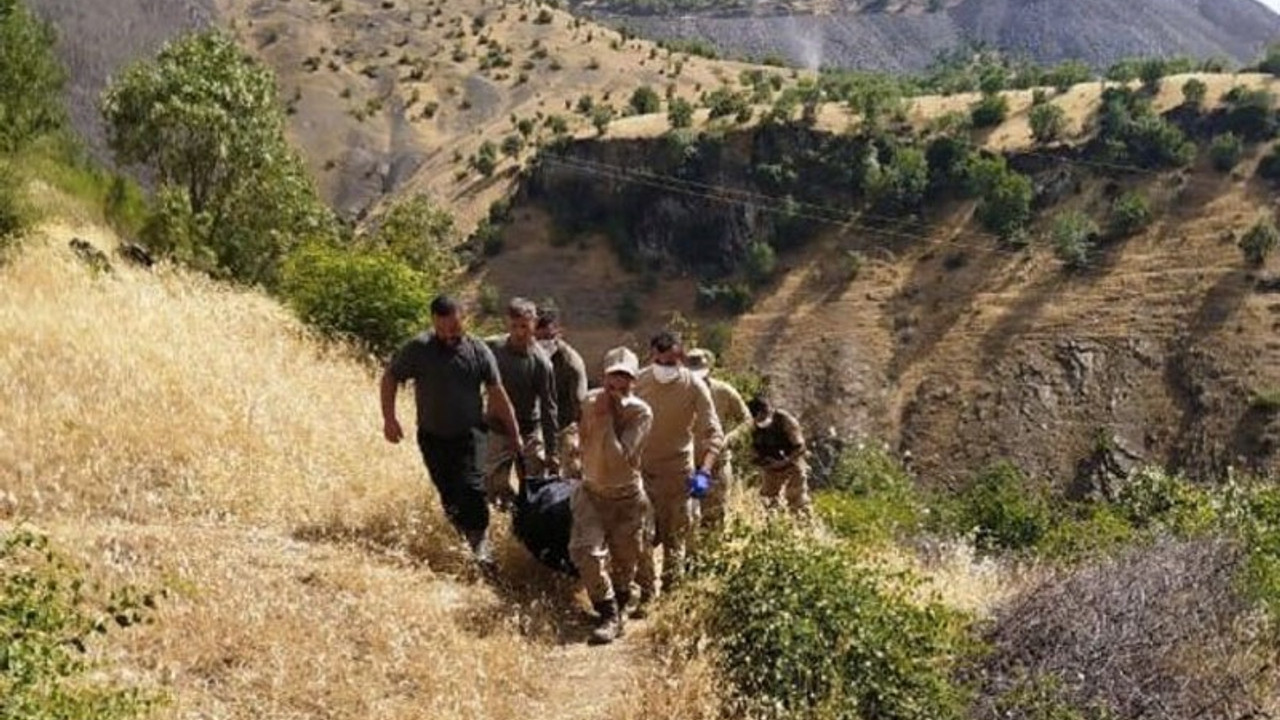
column 1090, row 530
column 1154, row 498
column 14, row 213
column 1225, row 151
column 47, row 621
column 1048, row 122
column 1130, row 214
column 601, row 116
column 31, row 78
column 485, row 161
column 373, row 298
column 899, row 186
column 1259, row 242
column 802, row 631
column 1075, row 235
column 1269, row 166
column 1006, row 509
column 1270, row 62
column 724, row 102
column 419, row 233
column 1004, row 206
column 761, row 262
column 645, row 100
column 680, row 113
column 869, row 497
column 1194, row 92
column 990, row 111
column 1250, row 113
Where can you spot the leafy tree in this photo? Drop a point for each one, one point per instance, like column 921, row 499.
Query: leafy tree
column 1005, row 204
column 1225, row 152
column 1123, row 71
column 205, row 119
column 761, row 262
column 1261, row 240
column 899, row 186
column 679, row 113
column 512, row 145
column 1130, row 214
column 1067, row 74
column 485, row 161
column 1151, row 71
column 1074, row 237
column 31, row 78
column 601, row 116
column 1194, row 92
column 418, row 233
column 724, row 102
column 1048, row 122
column 1251, row 113
column 645, row 100
column 989, row 111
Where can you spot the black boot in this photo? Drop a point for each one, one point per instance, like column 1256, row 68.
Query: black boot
column 608, row 627
column 624, row 599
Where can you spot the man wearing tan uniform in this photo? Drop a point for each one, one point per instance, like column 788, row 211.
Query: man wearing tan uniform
column 735, row 421
column 571, row 388
column 682, row 411
column 609, row 505
column 778, row 449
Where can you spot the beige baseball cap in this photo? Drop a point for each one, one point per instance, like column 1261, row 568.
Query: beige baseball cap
column 700, row 361
column 622, row 360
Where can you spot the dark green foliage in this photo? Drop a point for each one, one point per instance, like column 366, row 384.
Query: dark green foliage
column 1270, row 62
column 898, row 186
column 1004, row 205
column 1225, row 151
column 1075, row 235
column 1269, row 166
column 47, row 621
column 645, row 100
column 1259, row 242
column 1004, row 506
column 990, row 111
column 206, row 120
column 803, row 631
column 512, row 145
column 419, row 233
column 14, row 216
column 1067, row 74
column 601, row 116
column 724, row 102
column 485, row 161
column 679, row 113
column 31, row 78
column 1130, row 214
column 372, row 298
column 869, row 497
column 1130, row 132
column 1048, row 122
column 761, row 261
column 1194, row 92
column 1250, row 113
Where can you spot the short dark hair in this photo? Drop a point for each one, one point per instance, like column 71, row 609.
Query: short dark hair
column 548, row 316
column 521, row 308
column 664, row 341
column 758, row 404
column 444, row 306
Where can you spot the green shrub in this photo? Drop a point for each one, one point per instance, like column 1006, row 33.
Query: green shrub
column 601, row 116
column 14, row 213
column 1269, row 166
column 1006, row 509
column 1194, row 92
column 679, row 113
column 645, row 100
column 1154, row 498
column 990, row 111
column 485, row 161
column 761, row 262
column 724, row 102
column 1004, row 206
column 1075, row 235
column 1225, row 151
column 899, row 186
column 1091, row 530
column 1270, row 62
column 802, row 631
column 47, row 621
column 1259, row 242
column 1130, row 214
column 31, row 78
column 869, row 497
column 1250, row 113
column 418, row 232
column 373, row 298
column 1048, row 122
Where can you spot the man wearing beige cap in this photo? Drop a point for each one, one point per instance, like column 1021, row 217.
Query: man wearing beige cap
column 735, row 421
column 609, row 505
column 682, row 411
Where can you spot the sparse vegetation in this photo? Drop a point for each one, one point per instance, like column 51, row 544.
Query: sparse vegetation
column 1130, row 214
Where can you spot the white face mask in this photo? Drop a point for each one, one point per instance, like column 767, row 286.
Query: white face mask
column 666, row 373
column 548, row 346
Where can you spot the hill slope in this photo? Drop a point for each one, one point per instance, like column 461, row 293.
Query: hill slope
column 1098, row 32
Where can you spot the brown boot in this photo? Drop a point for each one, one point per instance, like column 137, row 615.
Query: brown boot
column 608, row 627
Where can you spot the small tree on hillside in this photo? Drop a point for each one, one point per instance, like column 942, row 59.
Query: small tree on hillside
column 1225, row 152
column 679, row 113
column 1048, row 122
column 1261, row 240
column 990, row 111
column 1194, row 92
column 30, row 78
column 601, row 116
column 1130, row 214
column 1074, row 237
column 645, row 100
column 205, row 119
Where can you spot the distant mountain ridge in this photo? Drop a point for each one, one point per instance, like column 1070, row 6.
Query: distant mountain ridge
column 1098, row 32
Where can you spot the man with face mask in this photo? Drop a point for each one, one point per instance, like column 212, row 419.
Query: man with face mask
column 682, row 411
column 778, row 450
column 735, row 421
column 529, row 382
column 609, row 505
column 449, row 369
column 571, row 388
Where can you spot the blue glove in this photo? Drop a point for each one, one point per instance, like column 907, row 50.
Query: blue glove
column 699, row 484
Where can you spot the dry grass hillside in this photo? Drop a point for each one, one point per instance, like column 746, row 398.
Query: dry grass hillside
column 395, row 97
column 171, row 432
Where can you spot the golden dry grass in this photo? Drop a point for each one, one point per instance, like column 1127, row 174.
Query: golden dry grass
column 175, row 433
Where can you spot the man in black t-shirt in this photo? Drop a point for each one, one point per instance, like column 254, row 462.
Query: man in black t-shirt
column 449, row 370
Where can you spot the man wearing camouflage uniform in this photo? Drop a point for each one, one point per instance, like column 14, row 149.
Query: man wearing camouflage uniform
column 529, row 382
column 735, row 421
column 571, row 388
column 609, row 505
column 779, row 450
column 682, row 411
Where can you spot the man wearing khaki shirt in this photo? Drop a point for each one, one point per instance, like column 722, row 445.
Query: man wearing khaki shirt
column 735, row 421
column 609, row 505
column 682, row 411
column 571, row 388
